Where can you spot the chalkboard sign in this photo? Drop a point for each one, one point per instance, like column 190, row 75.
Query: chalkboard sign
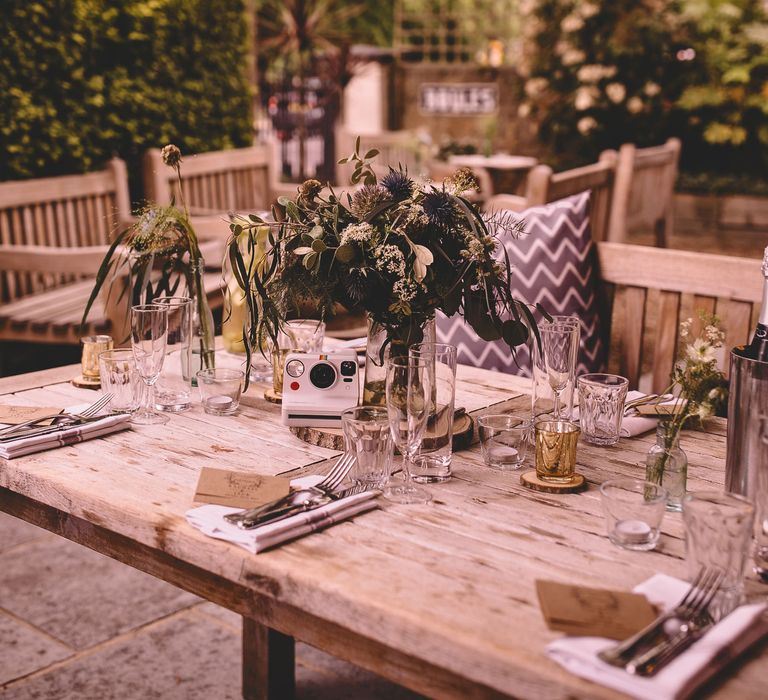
column 458, row 99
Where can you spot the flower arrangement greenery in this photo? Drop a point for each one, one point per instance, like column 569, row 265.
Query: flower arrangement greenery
column 156, row 253
column 398, row 250
column 698, row 385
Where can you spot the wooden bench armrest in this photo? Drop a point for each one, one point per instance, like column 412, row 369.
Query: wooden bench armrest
column 82, row 260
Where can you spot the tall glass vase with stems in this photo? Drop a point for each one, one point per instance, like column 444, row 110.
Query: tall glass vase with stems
column 554, row 367
column 149, row 335
column 408, row 394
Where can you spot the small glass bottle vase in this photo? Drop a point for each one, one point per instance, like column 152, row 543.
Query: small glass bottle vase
column 667, row 465
column 202, row 347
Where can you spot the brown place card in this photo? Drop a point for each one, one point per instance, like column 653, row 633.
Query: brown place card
column 239, row 489
column 593, row 612
column 13, row 415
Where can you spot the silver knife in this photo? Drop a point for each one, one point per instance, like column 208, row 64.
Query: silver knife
column 45, row 430
column 311, row 503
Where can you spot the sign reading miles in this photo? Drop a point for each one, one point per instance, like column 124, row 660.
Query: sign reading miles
column 458, row 98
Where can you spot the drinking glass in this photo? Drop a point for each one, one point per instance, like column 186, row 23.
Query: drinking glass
column 120, row 379
column 601, row 407
column 299, row 335
column 504, row 440
column 554, row 367
column 149, row 333
column 172, row 390
column 718, row 532
column 634, row 510
column 408, row 392
column 433, row 462
column 220, row 390
column 369, row 439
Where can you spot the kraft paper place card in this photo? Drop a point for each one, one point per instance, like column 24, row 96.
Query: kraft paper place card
column 593, row 612
column 13, row 415
column 223, row 487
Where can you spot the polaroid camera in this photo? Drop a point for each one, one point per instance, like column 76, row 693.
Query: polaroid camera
column 317, row 388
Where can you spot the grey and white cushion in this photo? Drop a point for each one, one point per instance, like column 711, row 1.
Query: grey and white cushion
column 555, row 264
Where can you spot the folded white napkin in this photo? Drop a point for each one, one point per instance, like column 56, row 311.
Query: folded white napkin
column 209, row 519
column 66, row 436
column 705, row 657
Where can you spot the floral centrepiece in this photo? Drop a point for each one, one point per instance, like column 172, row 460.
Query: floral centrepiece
column 398, row 250
column 701, row 391
column 160, row 250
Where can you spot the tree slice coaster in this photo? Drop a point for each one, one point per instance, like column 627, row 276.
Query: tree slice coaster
column 531, row 481
column 333, row 438
column 82, row 382
column 272, row 397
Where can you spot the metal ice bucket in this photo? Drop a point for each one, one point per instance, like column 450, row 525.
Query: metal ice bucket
column 747, row 456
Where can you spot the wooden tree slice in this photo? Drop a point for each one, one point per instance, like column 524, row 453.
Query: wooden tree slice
column 82, row 382
column 333, row 438
column 531, row 481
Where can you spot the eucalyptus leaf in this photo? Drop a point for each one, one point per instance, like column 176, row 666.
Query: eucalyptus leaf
column 309, row 260
column 283, row 201
column 372, row 153
column 345, row 253
column 319, row 246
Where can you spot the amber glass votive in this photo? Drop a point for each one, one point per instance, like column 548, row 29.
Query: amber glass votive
column 556, row 450
column 93, row 346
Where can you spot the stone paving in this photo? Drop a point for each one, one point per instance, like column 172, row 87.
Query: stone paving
column 76, row 625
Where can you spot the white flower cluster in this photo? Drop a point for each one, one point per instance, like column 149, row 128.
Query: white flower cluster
column 405, row 289
column 357, row 232
column 416, row 217
column 592, row 73
column 390, row 259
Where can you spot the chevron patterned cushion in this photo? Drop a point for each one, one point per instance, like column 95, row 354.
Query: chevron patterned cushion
column 555, row 265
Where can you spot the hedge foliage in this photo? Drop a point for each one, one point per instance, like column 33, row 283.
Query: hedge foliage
column 83, row 80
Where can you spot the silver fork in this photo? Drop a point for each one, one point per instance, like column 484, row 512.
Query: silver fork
column 328, row 485
column 694, row 626
column 698, row 596
column 88, row 412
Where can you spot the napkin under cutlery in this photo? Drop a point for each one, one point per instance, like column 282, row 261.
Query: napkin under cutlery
column 633, row 424
column 705, row 657
column 63, row 436
column 209, row 519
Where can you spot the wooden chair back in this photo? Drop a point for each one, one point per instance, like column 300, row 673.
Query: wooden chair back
column 544, row 186
column 214, row 183
column 58, row 212
column 652, row 290
column 644, row 193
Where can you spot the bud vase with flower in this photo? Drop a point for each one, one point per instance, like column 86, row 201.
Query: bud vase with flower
column 700, row 389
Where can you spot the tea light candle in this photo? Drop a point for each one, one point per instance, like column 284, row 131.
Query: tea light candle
column 633, row 531
column 220, row 403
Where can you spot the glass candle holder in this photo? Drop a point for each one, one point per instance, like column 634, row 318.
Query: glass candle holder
column 556, row 450
column 220, row 390
column 93, row 346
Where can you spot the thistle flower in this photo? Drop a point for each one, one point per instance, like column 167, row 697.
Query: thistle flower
column 366, row 200
column 439, row 208
column 171, row 155
column 356, row 284
column 398, row 184
column 309, row 189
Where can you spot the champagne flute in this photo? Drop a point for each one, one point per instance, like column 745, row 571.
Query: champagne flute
column 149, row 335
column 560, row 345
column 408, row 391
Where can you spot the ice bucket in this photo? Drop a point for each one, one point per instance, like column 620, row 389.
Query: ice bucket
column 747, row 455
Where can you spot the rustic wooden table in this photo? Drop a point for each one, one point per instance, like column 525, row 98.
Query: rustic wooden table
column 437, row 597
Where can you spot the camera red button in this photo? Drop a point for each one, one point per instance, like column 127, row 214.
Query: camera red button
column 295, row 386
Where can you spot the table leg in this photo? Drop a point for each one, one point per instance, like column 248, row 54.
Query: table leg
column 269, row 671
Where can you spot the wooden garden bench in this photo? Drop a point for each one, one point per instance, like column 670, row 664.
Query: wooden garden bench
column 215, row 183
column 54, row 233
column 650, row 290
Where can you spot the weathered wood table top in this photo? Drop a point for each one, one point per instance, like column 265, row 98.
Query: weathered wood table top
column 439, row 597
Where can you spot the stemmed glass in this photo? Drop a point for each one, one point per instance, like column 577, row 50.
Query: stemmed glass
column 408, row 390
column 560, row 346
column 149, row 335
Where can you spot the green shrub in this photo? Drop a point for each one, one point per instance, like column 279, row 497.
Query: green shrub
column 605, row 72
column 83, row 80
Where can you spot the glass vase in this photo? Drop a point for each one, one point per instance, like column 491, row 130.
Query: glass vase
column 202, row 346
column 666, row 464
column 377, row 349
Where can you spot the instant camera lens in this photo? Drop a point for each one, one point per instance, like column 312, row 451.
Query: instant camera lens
column 322, row 375
column 348, row 368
